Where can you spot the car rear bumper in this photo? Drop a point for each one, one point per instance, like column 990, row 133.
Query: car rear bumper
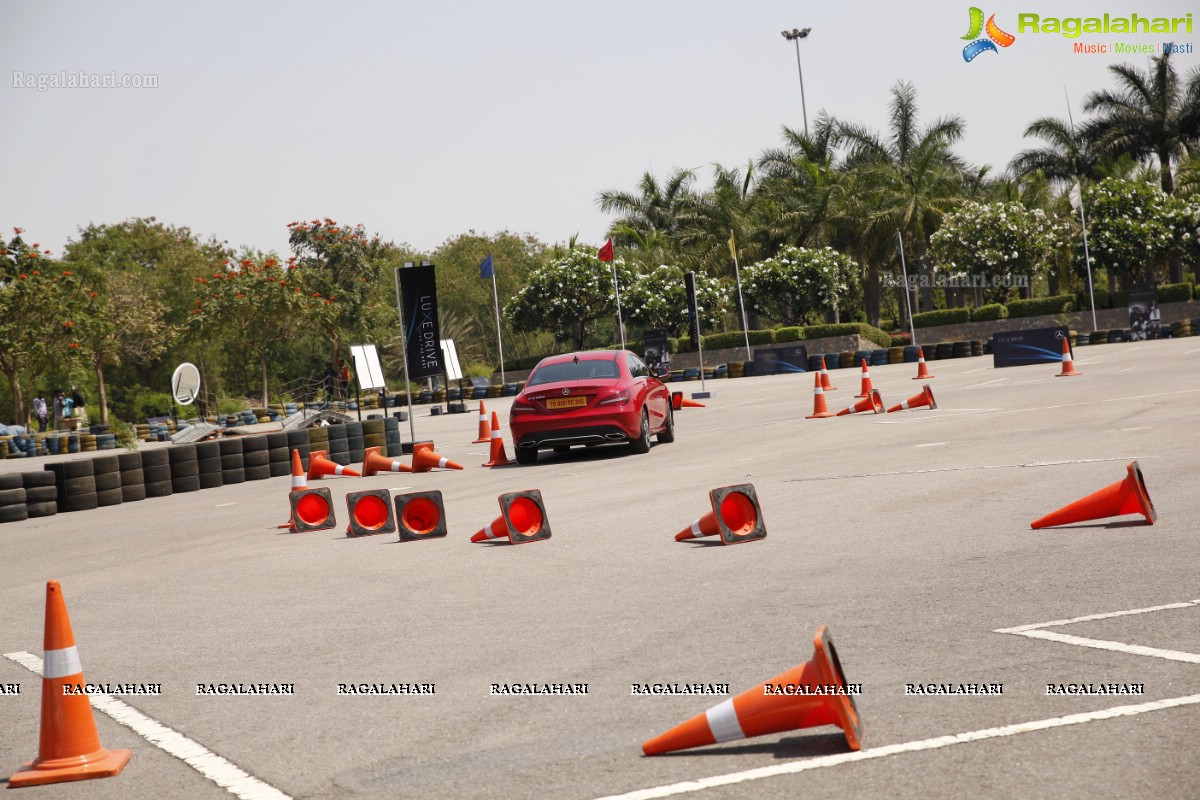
column 564, row 437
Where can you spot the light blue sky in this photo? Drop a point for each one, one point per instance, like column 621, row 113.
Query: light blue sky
column 426, row 120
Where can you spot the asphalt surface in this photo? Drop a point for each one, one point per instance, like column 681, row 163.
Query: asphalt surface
column 907, row 534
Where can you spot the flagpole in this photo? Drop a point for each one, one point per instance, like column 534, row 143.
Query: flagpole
column 1078, row 189
column 737, row 273
column 617, row 287
column 912, row 330
column 499, row 344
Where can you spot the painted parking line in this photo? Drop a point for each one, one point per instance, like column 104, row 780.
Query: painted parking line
column 220, row 771
column 927, row 470
column 1038, row 631
column 936, row 743
column 985, row 383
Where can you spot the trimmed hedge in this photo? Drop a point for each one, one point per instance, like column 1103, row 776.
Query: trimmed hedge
column 868, row 332
column 727, row 339
column 992, row 311
column 1041, row 306
column 1175, row 292
column 790, row 334
column 943, row 316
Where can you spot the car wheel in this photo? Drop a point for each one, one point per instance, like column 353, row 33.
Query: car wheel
column 642, row 443
column 526, row 455
column 667, row 434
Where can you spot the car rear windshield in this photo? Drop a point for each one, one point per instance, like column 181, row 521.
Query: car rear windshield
column 574, row 371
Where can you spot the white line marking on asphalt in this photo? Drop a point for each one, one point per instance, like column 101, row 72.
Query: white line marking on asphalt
column 220, row 771
column 1142, row 428
column 224, row 505
column 1058, row 623
column 985, row 383
column 1193, row 350
column 892, row 473
column 1118, row 372
column 1035, row 631
column 792, row 767
column 930, row 444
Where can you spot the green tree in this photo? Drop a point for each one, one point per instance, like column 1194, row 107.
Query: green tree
column 734, row 205
column 658, row 299
column 799, row 282
column 1126, row 223
column 653, row 215
column 567, row 295
column 1067, row 156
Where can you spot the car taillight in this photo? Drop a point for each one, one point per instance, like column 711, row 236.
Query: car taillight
column 620, row 398
column 521, row 408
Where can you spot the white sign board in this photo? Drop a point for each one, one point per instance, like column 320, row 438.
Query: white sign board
column 450, row 359
column 367, row 367
column 185, row 383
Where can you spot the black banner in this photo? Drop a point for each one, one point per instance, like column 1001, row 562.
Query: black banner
column 689, row 282
column 773, row 360
column 422, row 338
column 656, row 350
column 1019, row 348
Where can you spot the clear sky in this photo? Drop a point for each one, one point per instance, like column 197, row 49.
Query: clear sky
column 426, row 120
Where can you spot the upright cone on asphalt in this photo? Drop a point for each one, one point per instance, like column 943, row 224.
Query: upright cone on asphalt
column 922, row 370
column 865, row 391
column 319, row 466
column 678, row 401
column 312, row 510
column 1128, row 496
column 1068, row 363
column 420, row 515
column 68, row 746
column 522, row 519
column 872, row 402
column 921, row 400
column 820, row 409
column 825, row 377
column 299, row 483
column 370, row 513
column 426, row 459
column 485, row 429
column 374, row 463
column 736, row 517
column 812, row 694
column 497, row 457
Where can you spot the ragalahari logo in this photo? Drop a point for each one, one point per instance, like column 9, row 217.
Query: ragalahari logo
column 995, row 36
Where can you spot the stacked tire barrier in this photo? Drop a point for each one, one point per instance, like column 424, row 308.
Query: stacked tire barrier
column 375, row 434
column 76, row 484
column 106, row 474
column 391, row 436
column 232, row 467
column 185, row 468
column 299, row 440
column 279, row 457
column 41, row 494
column 208, row 464
column 12, row 498
column 318, row 439
column 156, row 469
column 133, row 480
column 355, row 442
column 339, row 446
column 256, row 458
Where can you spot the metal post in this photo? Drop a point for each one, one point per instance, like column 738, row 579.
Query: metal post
column 1087, row 261
column 741, row 307
column 795, row 35
column 912, row 331
column 617, row 287
column 499, row 344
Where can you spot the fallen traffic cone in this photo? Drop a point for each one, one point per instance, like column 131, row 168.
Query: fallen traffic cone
column 872, row 402
column 866, row 389
column 1128, row 496
column 68, row 745
column 736, row 517
column 319, row 466
column 806, row 696
column 925, row 398
column 420, row 515
column 485, row 430
column 497, row 458
column 678, row 401
column 1068, row 364
column 374, row 463
column 370, row 512
column 425, row 459
column 825, row 377
column 312, row 510
column 922, row 370
column 522, row 519
column 820, row 410
column 299, row 483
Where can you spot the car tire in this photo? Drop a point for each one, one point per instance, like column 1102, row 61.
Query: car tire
column 526, row 455
column 642, row 443
column 667, row 434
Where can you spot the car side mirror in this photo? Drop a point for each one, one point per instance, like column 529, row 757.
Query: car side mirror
column 660, row 372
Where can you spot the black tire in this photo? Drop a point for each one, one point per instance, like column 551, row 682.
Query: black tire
column 12, row 480
column 297, row 438
column 230, row 446
column 277, row 439
column 207, row 466
column 232, row 461
column 106, row 481
column 78, row 502
column 187, row 483
column 14, row 513
column 133, row 477
column 102, row 464
column 355, row 443
column 181, row 452
column 131, row 494
column 85, row 484
column 31, row 480
column 109, row 497
column 78, row 468
column 41, row 494
column 279, row 455
column 158, row 489
column 279, row 468
column 642, row 443
column 526, row 455
column 254, row 444
column 41, row 509
column 158, row 457
column 256, row 458
column 210, row 480
column 667, row 434
column 210, row 449
column 12, row 497
column 258, row 473
column 185, row 469
column 229, row 476
column 336, row 432
column 157, row 473
column 129, row 461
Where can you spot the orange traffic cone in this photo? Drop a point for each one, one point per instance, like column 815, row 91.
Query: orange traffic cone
column 420, row 515
column 426, row 459
column 485, row 430
column 678, row 401
column 735, row 516
column 820, row 410
column 922, row 370
column 312, row 510
column 497, row 458
column 319, row 466
column 925, row 398
column 1128, row 496
column 825, row 377
column 370, row 512
column 872, row 402
column 374, row 463
column 865, row 391
column 1068, row 364
column 806, row 696
column 299, row 484
column 69, row 746
column 522, row 519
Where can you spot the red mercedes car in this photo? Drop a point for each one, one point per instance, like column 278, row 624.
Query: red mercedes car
column 589, row 398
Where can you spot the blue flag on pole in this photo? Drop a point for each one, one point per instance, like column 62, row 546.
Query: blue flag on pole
column 486, row 267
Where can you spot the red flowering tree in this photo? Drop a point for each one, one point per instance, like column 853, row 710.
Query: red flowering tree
column 256, row 304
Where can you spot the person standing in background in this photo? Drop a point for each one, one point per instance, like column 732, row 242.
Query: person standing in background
column 40, row 411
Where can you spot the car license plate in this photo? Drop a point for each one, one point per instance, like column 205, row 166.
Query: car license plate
column 559, row 403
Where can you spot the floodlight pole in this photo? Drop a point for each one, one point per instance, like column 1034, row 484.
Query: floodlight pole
column 795, row 35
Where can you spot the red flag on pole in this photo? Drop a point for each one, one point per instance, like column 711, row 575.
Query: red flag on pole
column 606, row 251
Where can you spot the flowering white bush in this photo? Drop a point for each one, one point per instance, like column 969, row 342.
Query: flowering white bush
column 1133, row 225
column 799, row 282
column 658, row 299
column 567, row 294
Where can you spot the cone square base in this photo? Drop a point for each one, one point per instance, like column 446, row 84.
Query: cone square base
column 525, row 515
column 312, row 510
column 105, row 764
column 738, row 514
column 370, row 512
column 420, row 515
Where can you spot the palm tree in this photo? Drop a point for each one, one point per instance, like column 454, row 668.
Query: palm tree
column 652, row 212
column 913, row 176
column 802, row 180
column 734, row 205
column 1068, row 155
